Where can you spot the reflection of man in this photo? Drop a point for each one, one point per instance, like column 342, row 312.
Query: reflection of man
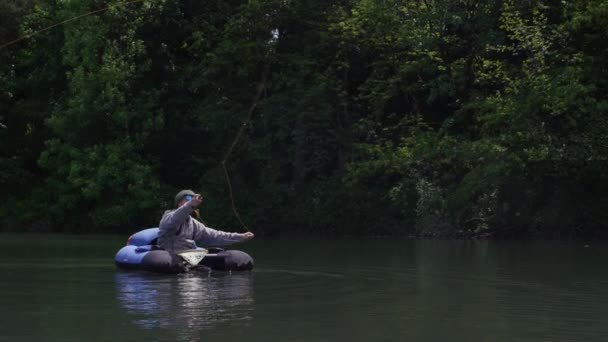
column 179, row 231
column 188, row 304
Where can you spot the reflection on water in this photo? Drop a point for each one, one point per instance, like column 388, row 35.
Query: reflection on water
column 187, row 303
column 310, row 290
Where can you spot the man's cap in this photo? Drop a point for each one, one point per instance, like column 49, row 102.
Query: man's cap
column 181, row 195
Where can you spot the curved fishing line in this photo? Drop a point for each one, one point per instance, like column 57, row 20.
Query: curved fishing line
column 260, row 88
column 48, row 28
column 254, row 103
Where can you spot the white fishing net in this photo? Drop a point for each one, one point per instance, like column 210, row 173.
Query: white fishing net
column 193, row 256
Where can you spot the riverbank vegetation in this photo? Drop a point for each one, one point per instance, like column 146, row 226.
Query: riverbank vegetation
column 418, row 118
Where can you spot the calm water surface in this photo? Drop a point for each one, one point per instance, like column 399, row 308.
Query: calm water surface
column 66, row 288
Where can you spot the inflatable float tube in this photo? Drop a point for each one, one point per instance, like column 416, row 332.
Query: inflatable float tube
column 142, row 253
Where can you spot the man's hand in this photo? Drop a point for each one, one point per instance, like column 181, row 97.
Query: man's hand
column 196, row 200
column 248, row 236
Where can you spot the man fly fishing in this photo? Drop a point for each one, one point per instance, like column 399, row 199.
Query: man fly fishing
column 179, row 231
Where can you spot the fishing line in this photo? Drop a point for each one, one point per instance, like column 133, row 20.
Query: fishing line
column 65, row 22
column 254, row 103
column 259, row 90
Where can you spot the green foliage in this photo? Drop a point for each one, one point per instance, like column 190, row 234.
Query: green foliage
column 432, row 118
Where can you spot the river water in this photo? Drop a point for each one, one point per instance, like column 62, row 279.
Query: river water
column 66, row 288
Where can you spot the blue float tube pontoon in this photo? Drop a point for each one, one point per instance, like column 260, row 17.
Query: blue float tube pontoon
column 142, row 253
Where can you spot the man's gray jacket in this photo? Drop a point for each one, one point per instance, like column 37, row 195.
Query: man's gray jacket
column 179, row 231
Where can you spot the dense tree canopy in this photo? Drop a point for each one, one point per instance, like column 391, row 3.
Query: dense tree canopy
column 427, row 118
